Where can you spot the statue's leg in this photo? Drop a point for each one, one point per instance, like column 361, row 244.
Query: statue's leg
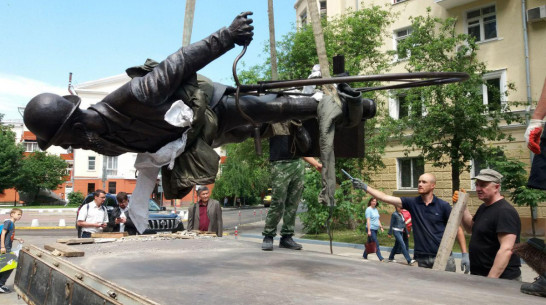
column 262, row 109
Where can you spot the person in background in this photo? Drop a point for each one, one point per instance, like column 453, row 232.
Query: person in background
column 120, row 221
column 495, row 230
column 93, row 217
column 429, row 216
column 373, row 224
column 398, row 229
column 287, row 175
column 6, row 241
column 206, row 214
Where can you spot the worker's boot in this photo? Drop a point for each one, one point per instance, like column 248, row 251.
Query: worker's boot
column 289, row 243
column 267, row 244
column 538, row 287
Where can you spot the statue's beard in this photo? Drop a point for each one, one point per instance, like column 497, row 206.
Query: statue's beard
column 94, row 142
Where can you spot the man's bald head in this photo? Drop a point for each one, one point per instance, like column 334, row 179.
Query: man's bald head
column 427, row 183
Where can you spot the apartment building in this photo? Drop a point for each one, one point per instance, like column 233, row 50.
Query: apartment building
column 512, row 38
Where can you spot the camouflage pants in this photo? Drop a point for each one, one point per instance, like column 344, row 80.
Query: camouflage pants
column 286, row 189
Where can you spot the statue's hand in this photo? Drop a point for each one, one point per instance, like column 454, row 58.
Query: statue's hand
column 241, row 29
column 345, row 89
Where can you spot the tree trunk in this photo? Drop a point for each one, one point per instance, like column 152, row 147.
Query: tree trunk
column 272, row 44
column 188, row 22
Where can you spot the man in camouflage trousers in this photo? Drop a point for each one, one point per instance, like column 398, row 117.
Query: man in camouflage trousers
column 287, row 185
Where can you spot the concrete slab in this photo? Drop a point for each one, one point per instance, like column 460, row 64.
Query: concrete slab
column 229, row 271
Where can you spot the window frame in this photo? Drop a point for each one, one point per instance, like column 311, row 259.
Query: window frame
column 481, row 22
column 497, row 74
column 303, row 18
column 111, row 165
column 396, row 39
column 91, row 160
column 33, row 146
column 413, row 165
column 394, row 105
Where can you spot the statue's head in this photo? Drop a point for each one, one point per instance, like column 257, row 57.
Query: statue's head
column 49, row 115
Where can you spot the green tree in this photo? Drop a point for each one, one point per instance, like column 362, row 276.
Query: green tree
column 10, row 157
column 358, row 35
column 244, row 174
column 40, row 170
column 457, row 125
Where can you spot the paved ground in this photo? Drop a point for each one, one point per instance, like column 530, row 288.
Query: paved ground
column 264, row 272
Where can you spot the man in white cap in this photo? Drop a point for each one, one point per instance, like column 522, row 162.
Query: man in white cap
column 495, row 229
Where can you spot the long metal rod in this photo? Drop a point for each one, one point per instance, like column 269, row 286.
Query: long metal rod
column 421, row 78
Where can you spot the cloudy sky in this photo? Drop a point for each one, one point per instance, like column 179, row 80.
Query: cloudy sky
column 43, row 41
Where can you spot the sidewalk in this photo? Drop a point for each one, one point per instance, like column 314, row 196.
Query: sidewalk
column 253, row 232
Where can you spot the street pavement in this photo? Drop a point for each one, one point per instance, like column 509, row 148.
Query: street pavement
column 49, row 231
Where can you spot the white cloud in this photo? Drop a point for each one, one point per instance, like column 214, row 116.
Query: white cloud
column 16, row 91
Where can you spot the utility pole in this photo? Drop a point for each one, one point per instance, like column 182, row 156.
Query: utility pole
column 104, row 174
column 188, row 22
column 272, row 44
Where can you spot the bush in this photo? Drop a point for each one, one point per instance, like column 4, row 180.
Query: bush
column 75, row 198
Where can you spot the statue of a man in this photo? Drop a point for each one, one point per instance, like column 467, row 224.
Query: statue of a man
column 167, row 109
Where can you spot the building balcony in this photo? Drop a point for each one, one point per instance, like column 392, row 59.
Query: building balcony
column 449, row 4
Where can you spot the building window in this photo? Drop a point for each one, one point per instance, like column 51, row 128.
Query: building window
column 303, row 18
column 90, row 188
column 409, row 171
column 91, row 163
column 322, row 9
column 400, row 35
column 111, row 166
column 31, row 146
column 494, row 90
column 400, row 107
column 112, row 187
column 477, row 165
column 482, row 23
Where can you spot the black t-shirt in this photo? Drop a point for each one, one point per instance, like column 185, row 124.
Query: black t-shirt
column 499, row 217
column 282, row 148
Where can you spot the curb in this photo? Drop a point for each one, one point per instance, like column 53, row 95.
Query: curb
column 45, row 228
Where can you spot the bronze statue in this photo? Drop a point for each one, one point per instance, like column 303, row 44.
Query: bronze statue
column 133, row 118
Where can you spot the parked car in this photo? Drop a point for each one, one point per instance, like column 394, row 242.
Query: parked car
column 159, row 220
column 267, row 198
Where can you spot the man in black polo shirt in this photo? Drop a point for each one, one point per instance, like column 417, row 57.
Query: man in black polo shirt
column 429, row 216
column 495, row 229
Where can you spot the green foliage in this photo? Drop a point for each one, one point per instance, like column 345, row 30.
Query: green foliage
column 357, row 34
column 244, row 174
column 75, row 198
column 315, row 214
column 10, row 157
column 457, row 125
column 40, row 170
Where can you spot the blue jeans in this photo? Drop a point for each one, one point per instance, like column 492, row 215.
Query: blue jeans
column 373, row 237
column 399, row 245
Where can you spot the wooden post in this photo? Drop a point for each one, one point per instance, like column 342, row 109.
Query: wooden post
column 450, row 233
